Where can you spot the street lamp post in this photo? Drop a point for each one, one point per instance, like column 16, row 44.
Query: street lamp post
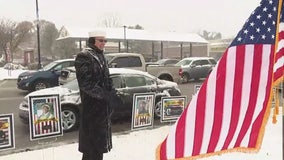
column 125, row 43
column 38, row 36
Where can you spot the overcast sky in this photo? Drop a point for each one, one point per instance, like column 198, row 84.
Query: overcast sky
column 225, row 16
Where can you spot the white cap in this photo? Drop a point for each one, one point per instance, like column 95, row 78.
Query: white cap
column 97, row 33
column 46, row 105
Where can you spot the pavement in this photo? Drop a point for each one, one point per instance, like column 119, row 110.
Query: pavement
column 145, row 140
column 141, row 145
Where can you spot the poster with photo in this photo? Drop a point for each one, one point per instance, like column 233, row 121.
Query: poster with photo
column 142, row 110
column 7, row 133
column 172, row 108
column 45, row 117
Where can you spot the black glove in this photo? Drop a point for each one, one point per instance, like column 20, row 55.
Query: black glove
column 112, row 99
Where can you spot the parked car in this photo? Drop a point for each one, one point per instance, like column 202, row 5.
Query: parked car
column 45, row 77
column 164, row 62
column 126, row 81
column 195, row 67
column 132, row 61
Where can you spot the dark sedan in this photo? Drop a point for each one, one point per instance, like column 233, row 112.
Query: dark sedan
column 126, row 81
column 45, row 77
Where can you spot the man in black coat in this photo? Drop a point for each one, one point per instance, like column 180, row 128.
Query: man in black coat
column 95, row 87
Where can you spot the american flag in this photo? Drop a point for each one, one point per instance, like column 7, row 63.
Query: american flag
column 230, row 110
column 279, row 57
column 47, row 126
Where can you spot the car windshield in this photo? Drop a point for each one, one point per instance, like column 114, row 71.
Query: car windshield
column 149, row 75
column 72, row 85
column 49, row 66
column 183, row 62
column 108, row 57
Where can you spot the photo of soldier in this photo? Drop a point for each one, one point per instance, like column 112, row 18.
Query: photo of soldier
column 46, row 112
column 143, row 111
column 142, row 107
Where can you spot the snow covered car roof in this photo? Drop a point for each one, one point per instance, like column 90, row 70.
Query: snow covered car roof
column 128, row 71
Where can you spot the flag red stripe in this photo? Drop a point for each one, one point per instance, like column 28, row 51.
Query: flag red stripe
column 180, row 136
column 257, row 124
column 163, row 150
column 279, row 54
column 280, row 51
column 281, row 35
column 279, row 73
column 219, row 106
column 239, row 70
column 253, row 92
column 199, row 120
column 255, row 129
column 259, row 121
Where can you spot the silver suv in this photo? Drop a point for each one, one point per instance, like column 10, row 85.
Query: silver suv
column 195, row 67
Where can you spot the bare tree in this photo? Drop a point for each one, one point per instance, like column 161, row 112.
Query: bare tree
column 137, row 26
column 48, row 36
column 111, row 20
column 12, row 35
column 22, row 33
column 210, row 35
column 6, row 28
column 66, row 48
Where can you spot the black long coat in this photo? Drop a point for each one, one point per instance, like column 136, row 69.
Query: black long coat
column 94, row 82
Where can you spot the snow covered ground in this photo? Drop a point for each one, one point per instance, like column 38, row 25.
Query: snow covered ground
column 10, row 74
column 141, row 145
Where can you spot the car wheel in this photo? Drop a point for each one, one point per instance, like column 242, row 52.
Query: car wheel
column 158, row 107
column 166, row 77
column 185, row 77
column 70, row 119
column 40, row 84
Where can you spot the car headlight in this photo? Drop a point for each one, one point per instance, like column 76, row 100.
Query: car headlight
column 24, row 105
column 26, row 77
